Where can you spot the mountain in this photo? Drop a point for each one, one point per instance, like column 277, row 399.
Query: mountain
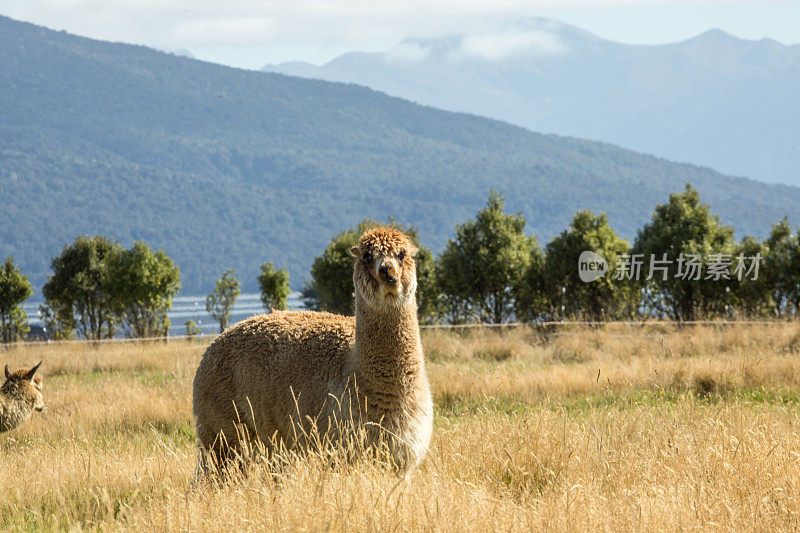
column 227, row 168
column 713, row 100
column 177, row 51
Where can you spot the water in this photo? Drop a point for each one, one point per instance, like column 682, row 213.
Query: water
column 194, row 308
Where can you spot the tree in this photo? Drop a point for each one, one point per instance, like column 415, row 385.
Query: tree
column 192, row 328
column 274, row 286
column 80, row 286
column 59, row 322
column 685, row 233
column 331, row 286
column 565, row 293
column 530, row 295
column 753, row 292
column 782, row 268
column 487, row 261
column 14, row 290
column 143, row 284
column 429, row 309
column 220, row 302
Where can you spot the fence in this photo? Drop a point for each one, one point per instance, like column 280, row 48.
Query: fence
column 509, row 325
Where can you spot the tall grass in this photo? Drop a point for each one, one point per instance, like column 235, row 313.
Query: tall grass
column 613, row 428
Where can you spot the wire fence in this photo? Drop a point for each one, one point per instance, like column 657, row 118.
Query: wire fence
column 507, row 325
column 599, row 323
column 170, row 338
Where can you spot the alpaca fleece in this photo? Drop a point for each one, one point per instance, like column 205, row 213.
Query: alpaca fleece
column 280, row 376
column 20, row 395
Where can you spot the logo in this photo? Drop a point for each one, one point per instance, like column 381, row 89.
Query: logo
column 591, row 266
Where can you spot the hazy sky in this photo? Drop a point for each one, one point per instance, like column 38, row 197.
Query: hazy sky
column 250, row 33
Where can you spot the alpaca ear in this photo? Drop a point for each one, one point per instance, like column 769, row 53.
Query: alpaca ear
column 32, row 371
column 412, row 250
column 355, row 251
column 8, row 374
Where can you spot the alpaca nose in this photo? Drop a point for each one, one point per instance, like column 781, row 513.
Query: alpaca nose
column 388, row 273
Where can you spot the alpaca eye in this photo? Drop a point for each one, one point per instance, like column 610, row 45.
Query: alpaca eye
column 401, row 256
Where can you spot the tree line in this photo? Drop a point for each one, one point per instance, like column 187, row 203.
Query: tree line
column 98, row 290
column 683, row 265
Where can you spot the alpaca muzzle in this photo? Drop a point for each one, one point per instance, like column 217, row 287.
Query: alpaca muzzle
column 387, row 273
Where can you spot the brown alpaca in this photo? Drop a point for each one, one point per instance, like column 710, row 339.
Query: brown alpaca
column 281, row 376
column 20, row 395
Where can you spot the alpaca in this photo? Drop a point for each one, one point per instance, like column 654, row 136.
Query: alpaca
column 20, row 395
column 279, row 377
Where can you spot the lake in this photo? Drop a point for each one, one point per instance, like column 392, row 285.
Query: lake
column 194, row 308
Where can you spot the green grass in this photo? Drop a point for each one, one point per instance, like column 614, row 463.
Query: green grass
column 458, row 409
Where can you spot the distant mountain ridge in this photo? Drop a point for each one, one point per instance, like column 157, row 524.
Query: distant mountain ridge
column 227, row 168
column 713, row 100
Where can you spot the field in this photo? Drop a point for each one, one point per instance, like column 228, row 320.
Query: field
column 615, row 428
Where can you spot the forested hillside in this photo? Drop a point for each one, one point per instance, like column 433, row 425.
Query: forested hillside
column 226, row 168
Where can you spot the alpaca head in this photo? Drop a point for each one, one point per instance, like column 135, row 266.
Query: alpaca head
column 25, row 386
column 385, row 273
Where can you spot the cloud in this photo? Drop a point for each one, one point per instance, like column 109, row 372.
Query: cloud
column 500, row 45
column 212, row 22
column 231, row 30
column 409, row 52
column 239, row 31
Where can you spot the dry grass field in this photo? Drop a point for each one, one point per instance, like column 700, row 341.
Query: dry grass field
column 616, row 428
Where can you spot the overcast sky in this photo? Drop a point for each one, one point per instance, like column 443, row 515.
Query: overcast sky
column 250, row 33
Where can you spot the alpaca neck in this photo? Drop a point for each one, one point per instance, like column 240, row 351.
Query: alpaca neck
column 388, row 353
